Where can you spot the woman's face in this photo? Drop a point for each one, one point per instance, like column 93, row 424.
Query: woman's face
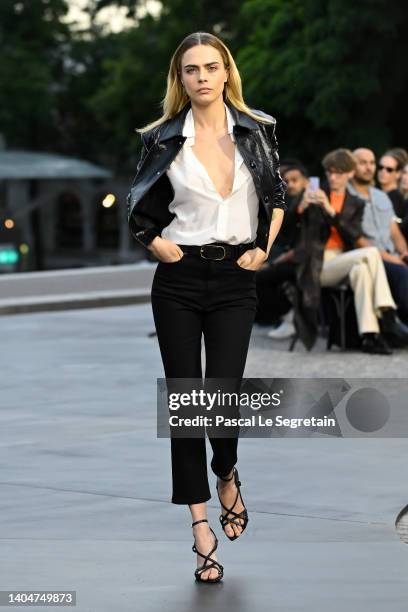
column 404, row 178
column 203, row 74
column 388, row 175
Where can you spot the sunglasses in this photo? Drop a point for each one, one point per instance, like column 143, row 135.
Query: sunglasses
column 387, row 168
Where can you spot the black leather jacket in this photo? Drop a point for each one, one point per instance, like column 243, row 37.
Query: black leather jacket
column 151, row 191
column 315, row 227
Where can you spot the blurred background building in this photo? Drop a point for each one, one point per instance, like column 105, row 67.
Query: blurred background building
column 58, row 212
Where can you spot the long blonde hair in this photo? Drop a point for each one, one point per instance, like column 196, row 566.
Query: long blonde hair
column 176, row 97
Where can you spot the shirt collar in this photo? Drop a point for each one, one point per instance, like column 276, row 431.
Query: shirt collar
column 351, row 189
column 189, row 131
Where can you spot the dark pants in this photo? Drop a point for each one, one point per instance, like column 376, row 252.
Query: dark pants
column 404, row 227
column 217, row 299
column 272, row 300
column 397, row 276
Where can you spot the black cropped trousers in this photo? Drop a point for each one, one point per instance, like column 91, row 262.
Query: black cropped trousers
column 196, row 298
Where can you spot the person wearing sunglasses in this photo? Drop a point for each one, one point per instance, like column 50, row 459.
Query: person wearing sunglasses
column 381, row 227
column 403, row 186
column 388, row 177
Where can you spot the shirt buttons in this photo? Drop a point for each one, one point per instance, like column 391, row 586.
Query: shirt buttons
column 266, row 198
column 158, row 172
column 252, row 164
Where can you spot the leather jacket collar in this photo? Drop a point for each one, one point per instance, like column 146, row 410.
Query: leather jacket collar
column 174, row 126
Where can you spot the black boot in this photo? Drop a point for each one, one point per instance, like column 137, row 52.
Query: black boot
column 393, row 328
column 375, row 343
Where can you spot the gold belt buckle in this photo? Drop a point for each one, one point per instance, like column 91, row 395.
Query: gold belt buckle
column 217, row 246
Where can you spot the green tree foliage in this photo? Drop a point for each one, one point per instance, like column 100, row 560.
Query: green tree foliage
column 331, row 70
column 32, row 39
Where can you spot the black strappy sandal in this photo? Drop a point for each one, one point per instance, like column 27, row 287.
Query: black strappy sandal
column 213, row 562
column 224, row 518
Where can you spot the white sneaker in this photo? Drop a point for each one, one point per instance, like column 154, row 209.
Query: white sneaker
column 285, row 330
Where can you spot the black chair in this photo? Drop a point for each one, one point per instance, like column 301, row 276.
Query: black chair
column 341, row 299
column 337, row 318
column 340, row 313
column 323, row 329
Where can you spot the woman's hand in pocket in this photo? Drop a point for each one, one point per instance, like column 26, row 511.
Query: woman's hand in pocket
column 252, row 259
column 165, row 250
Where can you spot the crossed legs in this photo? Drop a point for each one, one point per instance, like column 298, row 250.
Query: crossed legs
column 365, row 270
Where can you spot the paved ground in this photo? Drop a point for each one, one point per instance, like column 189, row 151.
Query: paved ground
column 85, row 483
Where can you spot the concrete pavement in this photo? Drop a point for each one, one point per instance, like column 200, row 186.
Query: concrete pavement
column 85, row 483
column 71, row 288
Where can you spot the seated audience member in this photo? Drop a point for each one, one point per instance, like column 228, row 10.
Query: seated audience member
column 273, row 305
column 381, row 229
column 388, row 177
column 340, row 214
column 403, row 186
column 401, row 154
column 403, row 189
column 296, row 178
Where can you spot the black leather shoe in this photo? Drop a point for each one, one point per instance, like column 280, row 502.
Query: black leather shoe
column 393, row 329
column 375, row 343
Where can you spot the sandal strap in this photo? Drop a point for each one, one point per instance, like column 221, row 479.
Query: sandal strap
column 200, row 521
column 230, row 510
column 203, row 568
column 214, row 548
column 227, row 479
column 224, row 518
column 212, row 562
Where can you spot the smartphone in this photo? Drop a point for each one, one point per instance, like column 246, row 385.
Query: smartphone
column 314, row 183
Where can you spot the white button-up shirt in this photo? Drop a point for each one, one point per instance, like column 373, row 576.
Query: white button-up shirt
column 202, row 215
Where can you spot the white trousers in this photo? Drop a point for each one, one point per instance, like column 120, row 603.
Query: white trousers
column 365, row 270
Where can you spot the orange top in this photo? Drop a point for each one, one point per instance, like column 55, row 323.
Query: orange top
column 334, row 241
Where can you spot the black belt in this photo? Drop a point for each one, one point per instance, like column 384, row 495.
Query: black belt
column 217, row 250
